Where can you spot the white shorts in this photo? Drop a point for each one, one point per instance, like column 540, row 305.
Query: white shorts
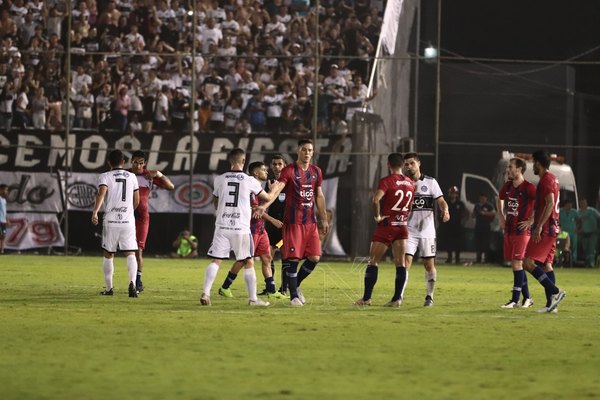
column 426, row 246
column 225, row 241
column 119, row 238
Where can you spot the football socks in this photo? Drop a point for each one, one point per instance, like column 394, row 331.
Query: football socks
column 399, row 282
column 517, row 285
column 209, row 277
column 108, row 268
column 292, row 278
column 229, row 280
column 306, row 269
column 250, row 279
column 370, row 280
column 132, row 267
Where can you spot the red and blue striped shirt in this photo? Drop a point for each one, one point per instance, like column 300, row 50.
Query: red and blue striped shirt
column 300, row 191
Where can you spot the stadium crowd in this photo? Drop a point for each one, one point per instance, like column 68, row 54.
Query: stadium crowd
column 135, row 63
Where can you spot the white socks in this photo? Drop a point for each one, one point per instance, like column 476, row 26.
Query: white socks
column 132, row 268
column 108, row 268
column 430, row 278
column 209, row 277
column 250, row 279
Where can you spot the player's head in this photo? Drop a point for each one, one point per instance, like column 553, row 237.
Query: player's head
column 305, row 150
column 516, row 166
column 395, row 161
column 116, row 159
column 3, row 190
column 277, row 164
column 453, row 193
column 138, row 161
column 237, row 156
column 258, row 169
column 412, row 165
column 541, row 162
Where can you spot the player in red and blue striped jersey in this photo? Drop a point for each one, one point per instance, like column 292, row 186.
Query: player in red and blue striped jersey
column 301, row 182
column 515, row 207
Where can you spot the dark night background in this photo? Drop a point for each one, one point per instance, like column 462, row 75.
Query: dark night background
column 486, row 103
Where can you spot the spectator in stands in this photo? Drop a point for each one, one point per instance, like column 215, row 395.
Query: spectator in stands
column 233, row 112
column 83, row 102
column 39, row 107
column 121, row 109
column 7, row 98
column 255, row 112
column 273, row 102
column 180, row 107
column 22, row 109
column 161, row 109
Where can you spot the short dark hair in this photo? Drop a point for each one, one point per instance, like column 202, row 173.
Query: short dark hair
column 302, row 142
column 395, row 160
column 138, row 154
column 411, row 155
column 3, row 186
column 115, row 158
column 519, row 163
column 278, row 157
column 543, row 158
column 236, row 155
column 255, row 165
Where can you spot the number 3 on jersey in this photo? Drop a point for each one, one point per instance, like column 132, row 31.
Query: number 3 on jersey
column 404, row 199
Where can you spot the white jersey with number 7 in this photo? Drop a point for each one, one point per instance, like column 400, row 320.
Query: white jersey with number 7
column 118, row 203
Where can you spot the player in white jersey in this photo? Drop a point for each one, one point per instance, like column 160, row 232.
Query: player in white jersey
column 421, row 222
column 118, row 191
column 231, row 193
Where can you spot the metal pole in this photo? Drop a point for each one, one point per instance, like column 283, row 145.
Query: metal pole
column 315, row 121
column 416, row 88
column 67, row 129
column 438, row 93
column 193, row 110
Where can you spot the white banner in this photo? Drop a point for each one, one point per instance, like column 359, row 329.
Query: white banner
column 28, row 231
column 389, row 28
column 31, row 191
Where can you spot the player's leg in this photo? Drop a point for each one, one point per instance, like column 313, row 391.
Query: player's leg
column 427, row 248
column 401, row 278
column 218, row 251
column 293, row 243
column 2, row 236
column 262, row 249
column 535, row 258
column 141, row 233
column 518, row 279
column 312, row 251
column 225, row 290
column 549, row 270
column 250, row 280
column 377, row 251
column 108, row 268
column 412, row 244
column 128, row 245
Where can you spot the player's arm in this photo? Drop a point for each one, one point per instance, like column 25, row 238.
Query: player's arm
column 548, row 206
column 441, row 202
column 215, row 202
column 377, row 206
column 102, row 190
column 320, row 202
column 136, row 198
column 500, row 207
column 163, row 181
column 268, row 198
column 275, row 222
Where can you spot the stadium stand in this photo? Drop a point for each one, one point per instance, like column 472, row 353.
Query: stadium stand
column 135, row 64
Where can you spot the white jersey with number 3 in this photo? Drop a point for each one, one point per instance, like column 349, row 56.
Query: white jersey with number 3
column 233, row 190
column 421, row 222
column 118, row 203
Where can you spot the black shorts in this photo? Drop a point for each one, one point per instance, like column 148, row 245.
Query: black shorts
column 275, row 235
column 3, row 228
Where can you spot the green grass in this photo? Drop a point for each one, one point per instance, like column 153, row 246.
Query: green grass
column 60, row 340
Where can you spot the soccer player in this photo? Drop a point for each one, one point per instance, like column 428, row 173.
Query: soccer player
column 421, row 222
column 146, row 181
column 302, row 184
column 3, row 219
column 516, row 199
column 262, row 248
column 118, row 188
column 231, row 193
column 396, row 191
column 542, row 245
column 276, row 212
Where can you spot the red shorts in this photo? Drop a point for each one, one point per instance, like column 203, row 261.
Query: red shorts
column 514, row 246
column 300, row 241
column 262, row 245
column 389, row 234
column 141, row 232
column 543, row 251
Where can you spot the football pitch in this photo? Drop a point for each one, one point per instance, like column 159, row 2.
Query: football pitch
column 60, row 340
